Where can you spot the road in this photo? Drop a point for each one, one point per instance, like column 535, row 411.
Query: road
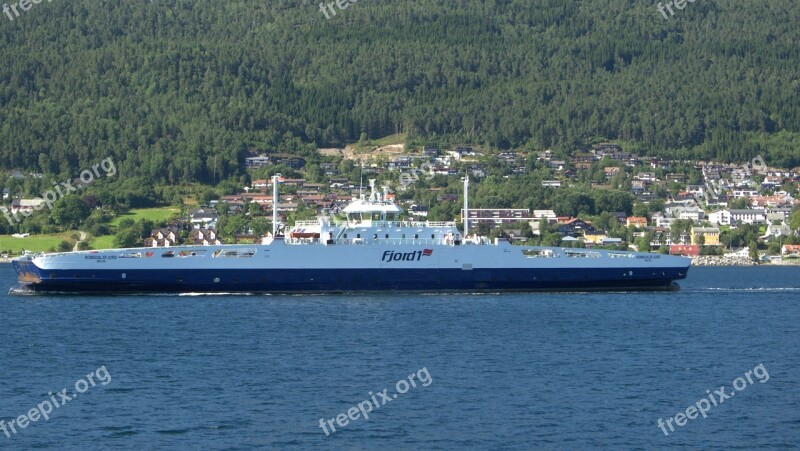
column 83, row 237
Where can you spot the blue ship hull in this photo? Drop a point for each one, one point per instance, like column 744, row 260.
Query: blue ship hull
column 347, row 280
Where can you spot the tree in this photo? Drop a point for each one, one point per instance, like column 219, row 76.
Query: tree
column 739, row 204
column 641, row 209
column 794, row 221
column 207, row 196
column 64, row 246
column 126, row 238
column 753, row 251
column 700, row 239
column 261, row 226
column 70, row 211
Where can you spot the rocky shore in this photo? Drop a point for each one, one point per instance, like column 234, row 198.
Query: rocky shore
column 715, row 260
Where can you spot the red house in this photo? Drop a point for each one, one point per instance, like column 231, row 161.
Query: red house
column 685, row 250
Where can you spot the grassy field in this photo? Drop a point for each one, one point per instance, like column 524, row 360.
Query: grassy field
column 369, row 145
column 35, row 243
column 44, row 243
column 102, row 242
column 156, row 215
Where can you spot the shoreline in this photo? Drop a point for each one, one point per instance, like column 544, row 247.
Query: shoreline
column 715, row 260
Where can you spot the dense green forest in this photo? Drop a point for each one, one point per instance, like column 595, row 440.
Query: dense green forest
column 182, row 91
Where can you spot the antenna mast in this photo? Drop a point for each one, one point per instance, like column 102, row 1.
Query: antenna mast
column 275, row 179
column 466, row 206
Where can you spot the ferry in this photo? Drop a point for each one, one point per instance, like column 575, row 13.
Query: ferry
column 368, row 247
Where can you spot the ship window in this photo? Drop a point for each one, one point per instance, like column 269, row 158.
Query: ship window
column 191, row 253
column 584, row 254
column 404, row 236
column 244, row 253
column 538, row 253
column 345, row 236
column 387, row 235
column 416, row 236
column 358, row 236
column 618, row 255
column 433, row 236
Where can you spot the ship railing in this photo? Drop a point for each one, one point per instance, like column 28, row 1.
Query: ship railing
column 440, row 224
column 404, row 224
column 351, row 241
column 391, row 241
column 301, row 241
column 306, row 224
column 411, row 241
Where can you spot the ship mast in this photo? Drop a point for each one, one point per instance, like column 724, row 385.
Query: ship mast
column 275, row 179
column 466, row 206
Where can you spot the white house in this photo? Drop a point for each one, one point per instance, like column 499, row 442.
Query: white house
column 691, row 212
column 660, row 220
column 550, row 215
column 777, row 231
column 721, row 217
column 757, row 216
column 26, row 205
column 205, row 218
column 737, row 193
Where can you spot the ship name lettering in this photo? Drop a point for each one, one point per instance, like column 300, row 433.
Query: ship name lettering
column 392, row 256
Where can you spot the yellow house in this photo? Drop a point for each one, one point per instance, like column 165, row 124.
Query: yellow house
column 594, row 237
column 710, row 235
column 636, row 221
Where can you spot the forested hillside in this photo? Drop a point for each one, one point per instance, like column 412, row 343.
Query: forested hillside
column 167, row 87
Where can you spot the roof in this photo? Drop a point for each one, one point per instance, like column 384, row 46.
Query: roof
column 366, row 206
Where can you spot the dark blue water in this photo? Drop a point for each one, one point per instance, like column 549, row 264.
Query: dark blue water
column 519, row 371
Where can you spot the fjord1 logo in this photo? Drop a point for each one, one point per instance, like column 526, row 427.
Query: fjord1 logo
column 392, row 256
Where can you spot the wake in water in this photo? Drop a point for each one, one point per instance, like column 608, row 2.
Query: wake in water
column 745, row 289
column 21, row 290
